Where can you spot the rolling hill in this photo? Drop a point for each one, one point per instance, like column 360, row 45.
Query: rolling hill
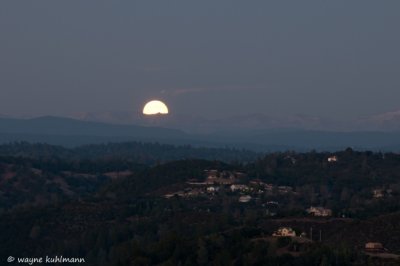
column 71, row 132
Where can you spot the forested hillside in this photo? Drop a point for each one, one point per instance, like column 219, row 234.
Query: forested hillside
column 111, row 206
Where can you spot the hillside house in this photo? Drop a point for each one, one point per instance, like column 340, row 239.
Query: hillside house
column 284, row 232
column 212, row 189
column 236, row 187
column 291, row 158
column 212, row 174
column 269, row 187
column 239, row 175
column 270, row 213
column 178, row 194
column 285, row 189
column 245, row 199
column 257, row 182
column 333, row 159
column 319, row 211
column 378, row 193
column 374, row 247
column 223, row 178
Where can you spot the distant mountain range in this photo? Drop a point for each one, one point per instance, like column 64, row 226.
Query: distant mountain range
column 67, row 131
column 227, row 133
column 389, row 121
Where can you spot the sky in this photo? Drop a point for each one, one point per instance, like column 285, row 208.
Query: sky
column 207, row 58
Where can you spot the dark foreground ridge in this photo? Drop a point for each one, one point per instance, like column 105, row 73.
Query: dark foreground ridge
column 104, row 205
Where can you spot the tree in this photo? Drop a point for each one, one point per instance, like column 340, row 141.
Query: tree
column 202, row 253
column 35, row 232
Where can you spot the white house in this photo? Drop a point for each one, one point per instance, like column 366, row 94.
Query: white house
column 374, row 247
column 333, row 159
column 236, row 187
column 378, row 193
column 319, row 211
column 284, row 231
column 245, row 199
column 212, row 189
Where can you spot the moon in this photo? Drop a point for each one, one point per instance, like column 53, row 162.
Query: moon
column 155, row 108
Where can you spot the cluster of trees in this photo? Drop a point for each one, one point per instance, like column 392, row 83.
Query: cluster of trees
column 134, row 152
column 142, row 233
column 346, row 186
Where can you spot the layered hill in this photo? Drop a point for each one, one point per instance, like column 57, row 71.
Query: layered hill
column 70, row 132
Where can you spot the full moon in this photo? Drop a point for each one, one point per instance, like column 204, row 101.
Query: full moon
column 155, row 108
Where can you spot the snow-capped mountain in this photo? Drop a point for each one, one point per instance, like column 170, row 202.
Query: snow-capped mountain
column 389, row 121
column 197, row 124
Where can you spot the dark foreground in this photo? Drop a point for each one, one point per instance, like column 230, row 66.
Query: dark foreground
column 143, row 209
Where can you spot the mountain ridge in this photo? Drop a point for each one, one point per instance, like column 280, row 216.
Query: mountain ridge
column 72, row 132
column 387, row 121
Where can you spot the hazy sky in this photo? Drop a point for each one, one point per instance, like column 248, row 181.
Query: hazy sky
column 331, row 58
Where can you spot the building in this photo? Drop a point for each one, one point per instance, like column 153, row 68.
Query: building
column 269, row 187
column 270, row 213
column 284, row 231
column 303, row 235
column 236, row 187
column 319, row 211
column 378, row 193
column 245, row 199
column 212, row 189
column 291, row 158
column 238, row 175
column 257, row 182
column 374, row 247
column 223, row 178
column 175, row 194
column 212, row 174
column 285, row 189
column 333, row 159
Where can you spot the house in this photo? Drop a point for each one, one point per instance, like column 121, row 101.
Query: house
column 292, row 159
column 378, row 193
column 319, row 211
column 212, row 174
column 333, row 159
column 245, row 199
column 239, row 175
column 374, row 247
column 269, row 187
column 171, row 195
column 236, row 187
column 284, row 231
column 223, row 178
column 271, row 208
column 225, row 181
column 270, row 213
column 194, row 193
column 285, row 189
column 195, row 182
column 186, row 193
column 212, row 189
column 257, row 182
